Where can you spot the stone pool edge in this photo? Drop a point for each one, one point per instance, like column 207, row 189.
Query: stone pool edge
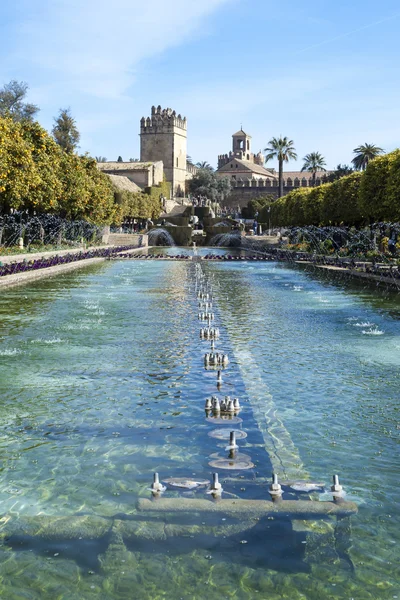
column 8, row 281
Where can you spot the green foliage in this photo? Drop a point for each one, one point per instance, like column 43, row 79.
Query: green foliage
column 203, row 165
column 340, row 171
column 392, row 199
column 12, row 103
column 314, row 162
column 340, row 201
column 65, row 131
column 142, row 205
column 207, row 183
column 257, row 205
column 137, row 205
column 364, row 154
column 313, row 205
column 47, row 155
column 37, row 175
column 373, row 199
column 119, row 159
column 361, row 197
column 282, row 149
column 19, row 176
column 295, row 206
column 278, row 213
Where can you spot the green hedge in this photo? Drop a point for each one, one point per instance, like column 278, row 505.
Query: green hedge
column 155, row 191
column 362, row 197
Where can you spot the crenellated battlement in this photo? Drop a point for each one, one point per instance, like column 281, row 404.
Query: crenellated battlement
column 163, row 136
column 162, row 119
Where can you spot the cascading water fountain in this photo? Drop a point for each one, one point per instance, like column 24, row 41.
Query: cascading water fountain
column 160, row 237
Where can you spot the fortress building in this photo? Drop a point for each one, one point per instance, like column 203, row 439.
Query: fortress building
column 241, row 149
column 163, row 137
column 250, row 179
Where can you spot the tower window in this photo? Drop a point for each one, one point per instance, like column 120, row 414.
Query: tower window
column 177, row 164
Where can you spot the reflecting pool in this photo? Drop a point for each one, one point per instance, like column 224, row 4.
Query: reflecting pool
column 102, row 383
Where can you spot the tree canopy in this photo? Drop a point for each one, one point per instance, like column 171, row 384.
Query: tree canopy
column 362, row 197
column 65, row 131
column 283, row 150
column 207, row 183
column 204, row 165
column 365, row 153
column 12, row 102
column 38, row 176
column 313, row 163
column 340, row 171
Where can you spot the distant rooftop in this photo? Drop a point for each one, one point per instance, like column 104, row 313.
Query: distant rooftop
column 123, row 183
column 247, row 164
column 124, row 166
column 240, row 133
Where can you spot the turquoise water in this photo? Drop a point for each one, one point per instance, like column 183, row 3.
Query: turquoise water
column 102, row 383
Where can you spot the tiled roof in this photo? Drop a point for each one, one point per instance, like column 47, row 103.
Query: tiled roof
column 247, row 165
column 241, row 132
column 124, row 184
column 123, row 166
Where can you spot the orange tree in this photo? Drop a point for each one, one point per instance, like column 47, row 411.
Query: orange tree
column 46, row 154
column 18, row 172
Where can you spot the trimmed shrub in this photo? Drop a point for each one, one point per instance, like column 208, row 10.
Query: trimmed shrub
column 340, row 201
column 372, row 199
column 392, row 196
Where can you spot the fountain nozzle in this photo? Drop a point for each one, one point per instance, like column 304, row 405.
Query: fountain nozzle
column 232, row 442
column 216, row 487
column 275, row 489
column 156, row 486
column 336, row 488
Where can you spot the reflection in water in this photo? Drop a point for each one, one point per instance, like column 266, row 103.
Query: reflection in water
column 102, row 383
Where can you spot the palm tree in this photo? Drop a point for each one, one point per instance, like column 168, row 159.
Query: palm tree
column 281, row 148
column 204, row 165
column 314, row 162
column 365, row 153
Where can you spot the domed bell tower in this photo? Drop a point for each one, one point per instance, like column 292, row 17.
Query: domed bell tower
column 241, row 145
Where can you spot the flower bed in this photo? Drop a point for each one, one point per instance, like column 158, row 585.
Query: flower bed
column 52, row 261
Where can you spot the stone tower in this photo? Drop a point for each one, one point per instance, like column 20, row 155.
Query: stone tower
column 241, row 145
column 241, row 149
column 164, row 137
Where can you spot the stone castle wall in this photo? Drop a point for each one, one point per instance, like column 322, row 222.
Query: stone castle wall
column 163, row 137
column 241, row 195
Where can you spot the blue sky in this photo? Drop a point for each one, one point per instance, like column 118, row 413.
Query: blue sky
column 325, row 74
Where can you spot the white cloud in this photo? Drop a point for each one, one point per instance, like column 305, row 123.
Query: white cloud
column 95, row 45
